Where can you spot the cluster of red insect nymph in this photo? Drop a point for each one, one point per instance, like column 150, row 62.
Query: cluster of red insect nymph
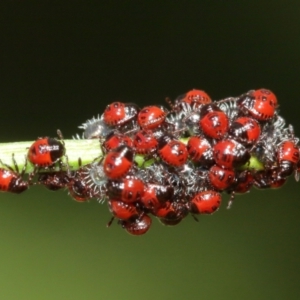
column 170, row 163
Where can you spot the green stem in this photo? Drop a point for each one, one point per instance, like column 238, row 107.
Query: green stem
column 86, row 150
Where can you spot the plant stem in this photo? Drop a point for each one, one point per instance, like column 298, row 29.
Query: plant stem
column 86, row 150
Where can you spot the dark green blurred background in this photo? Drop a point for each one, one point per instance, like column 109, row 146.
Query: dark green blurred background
column 62, row 63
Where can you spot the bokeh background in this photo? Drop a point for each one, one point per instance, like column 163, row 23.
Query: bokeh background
column 61, row 63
